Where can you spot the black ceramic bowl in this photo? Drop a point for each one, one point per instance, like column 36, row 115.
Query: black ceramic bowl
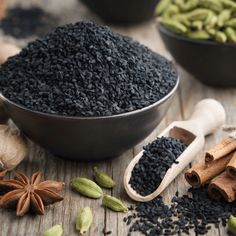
column 93, row 138
column 210, row 62
column 123, row 11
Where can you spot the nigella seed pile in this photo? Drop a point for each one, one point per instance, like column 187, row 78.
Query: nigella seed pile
column 157, row 158
column 192, row 212
column 84, row 69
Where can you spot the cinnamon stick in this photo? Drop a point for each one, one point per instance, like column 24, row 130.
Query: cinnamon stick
column 231, row 167
column 2, row 174
column 201, row 173
column 2, row 9
column 223, row 187
column 226, row 146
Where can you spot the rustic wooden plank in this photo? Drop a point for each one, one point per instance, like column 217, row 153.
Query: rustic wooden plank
column 189, row 93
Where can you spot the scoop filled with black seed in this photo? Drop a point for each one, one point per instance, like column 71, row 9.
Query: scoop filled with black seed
column 161, row 161
column 86, row 70
column 157, row 158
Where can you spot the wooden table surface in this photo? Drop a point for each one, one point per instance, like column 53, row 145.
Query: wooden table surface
column 189, row 93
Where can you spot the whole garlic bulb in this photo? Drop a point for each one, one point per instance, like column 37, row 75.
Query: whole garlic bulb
column 13, row 147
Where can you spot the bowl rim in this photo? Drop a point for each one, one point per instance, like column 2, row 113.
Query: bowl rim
column 168, row 32
column 166, row 97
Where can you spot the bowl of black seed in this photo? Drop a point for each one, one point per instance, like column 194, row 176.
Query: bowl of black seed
column 123, row 11
column 84, row 92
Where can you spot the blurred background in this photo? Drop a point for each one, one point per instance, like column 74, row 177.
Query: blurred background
column 133, row 18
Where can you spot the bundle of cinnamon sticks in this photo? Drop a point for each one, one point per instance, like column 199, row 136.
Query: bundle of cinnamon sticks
column 218, row 170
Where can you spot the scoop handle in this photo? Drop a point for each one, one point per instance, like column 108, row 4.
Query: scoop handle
column 207, row 116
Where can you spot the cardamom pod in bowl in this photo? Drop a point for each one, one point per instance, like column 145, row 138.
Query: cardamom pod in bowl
column 201, row 37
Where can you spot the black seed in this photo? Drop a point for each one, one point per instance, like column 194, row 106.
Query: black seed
column 25, row 22
column 195, row 211
column 157, row 158
column 85, row 69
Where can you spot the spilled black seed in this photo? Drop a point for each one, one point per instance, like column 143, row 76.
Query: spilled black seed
column 25, row 22
column 193, row 211
column 84, row 69
column 106, row 232
column 157, row 158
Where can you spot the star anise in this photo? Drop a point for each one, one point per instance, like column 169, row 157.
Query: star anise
column 28, row 194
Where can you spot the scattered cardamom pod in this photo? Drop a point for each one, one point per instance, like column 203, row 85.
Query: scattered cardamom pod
column 232, row 225
column 103, row 179
column 86, row 187
column 56, row 230
column 84, row 220
column 114, row 204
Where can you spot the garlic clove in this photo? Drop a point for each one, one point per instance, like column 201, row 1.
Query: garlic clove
column 13, row 147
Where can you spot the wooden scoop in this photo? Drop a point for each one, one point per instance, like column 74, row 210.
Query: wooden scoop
column 207, row 116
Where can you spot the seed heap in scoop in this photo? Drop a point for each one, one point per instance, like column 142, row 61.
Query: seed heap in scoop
column 84, row 69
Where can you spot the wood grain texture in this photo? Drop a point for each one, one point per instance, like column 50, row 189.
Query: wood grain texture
column 65, row 212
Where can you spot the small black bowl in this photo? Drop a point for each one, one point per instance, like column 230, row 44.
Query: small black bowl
column 88, row 138
column 210, row 62
column 123, row 11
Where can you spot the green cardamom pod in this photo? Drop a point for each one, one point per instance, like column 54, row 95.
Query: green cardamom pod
column 198, row 14
column 201, row 34
column 103, row 179
column 174, row 26
column 162, row 6
column 189, row 5
column 211, row 32
column 86, row 187
column 220, row 37
column 172, row 10
column 211, row 20
column 223, row 17
column 231, row 23
column 214, row 5
column 114, row 203
column 232, row 224
column 228, row 3
column 56, row 230
column 182, row 18
column 231, row 34
column 198, row 25
column 84, row 220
